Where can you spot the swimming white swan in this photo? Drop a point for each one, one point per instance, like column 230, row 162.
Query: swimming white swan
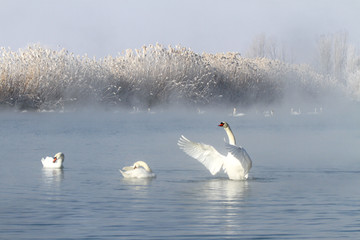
column 236, row 164
column 140, row 169
column 293, row 112
column 269, row 113
column 53, row 162
column 235, row 114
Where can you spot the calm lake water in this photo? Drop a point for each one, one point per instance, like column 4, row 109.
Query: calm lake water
column 304, row 183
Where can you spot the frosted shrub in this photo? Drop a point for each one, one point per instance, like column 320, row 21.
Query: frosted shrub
column 40, row 78
column 353, row 85
column 156, row 75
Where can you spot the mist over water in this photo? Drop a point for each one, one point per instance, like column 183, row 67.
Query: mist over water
column 302, row 184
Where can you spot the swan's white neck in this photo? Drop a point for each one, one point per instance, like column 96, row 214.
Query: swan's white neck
column 231, row 136
column 144, row 165
column 147, row 168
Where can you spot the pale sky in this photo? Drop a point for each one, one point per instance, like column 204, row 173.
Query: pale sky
column 108, row 27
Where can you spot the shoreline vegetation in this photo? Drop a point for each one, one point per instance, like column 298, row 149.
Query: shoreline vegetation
column 39, row 78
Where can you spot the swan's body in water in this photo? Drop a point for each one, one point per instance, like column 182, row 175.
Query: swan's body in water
column 235, row 114
column 236, row 164
column 53, row 162
column 139, row 169
column 293, row 112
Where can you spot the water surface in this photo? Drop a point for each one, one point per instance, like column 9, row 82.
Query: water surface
column 304, row 183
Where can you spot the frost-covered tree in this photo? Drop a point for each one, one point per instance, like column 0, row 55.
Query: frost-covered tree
column 266, row 47
column 41, row 78
column 340, row 55
column 258, row 47
column 325, row 51
column 332, row 58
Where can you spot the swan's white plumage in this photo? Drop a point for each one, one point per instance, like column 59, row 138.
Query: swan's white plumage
column 235, row 114
column 206, row 154
column 139, row 169
column 236, row 164
column 240, row 154
column 53, row 162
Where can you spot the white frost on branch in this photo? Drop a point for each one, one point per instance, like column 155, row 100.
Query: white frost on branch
column 41, row 78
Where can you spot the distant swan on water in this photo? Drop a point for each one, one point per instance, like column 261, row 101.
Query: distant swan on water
column 236, row 164
column 140, row 169
column 53, row 162
column 316, row 111
column 235, row 114
column 268, row 113
column 293, row 112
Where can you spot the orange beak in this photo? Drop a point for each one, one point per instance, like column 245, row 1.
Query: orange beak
column 54, row 159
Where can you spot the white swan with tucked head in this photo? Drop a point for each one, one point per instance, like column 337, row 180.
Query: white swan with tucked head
column 140, row 169
column 53, row 162
column 236, row 163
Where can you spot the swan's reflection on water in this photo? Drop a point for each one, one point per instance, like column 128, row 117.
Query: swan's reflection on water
column 52, row 177
column 137, row 196
column 137, row 183
column 221, row 201
column 225, row 190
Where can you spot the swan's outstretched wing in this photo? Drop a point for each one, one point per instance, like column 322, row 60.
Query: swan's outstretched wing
column 205, row 154
column 241, row 154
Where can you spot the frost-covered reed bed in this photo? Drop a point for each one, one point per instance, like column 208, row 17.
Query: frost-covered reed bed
column 41, row 78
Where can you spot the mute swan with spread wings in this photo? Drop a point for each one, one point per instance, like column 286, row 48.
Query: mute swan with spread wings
column 236, row 163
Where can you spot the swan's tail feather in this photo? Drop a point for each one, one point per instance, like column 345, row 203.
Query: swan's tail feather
column 122, row 173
